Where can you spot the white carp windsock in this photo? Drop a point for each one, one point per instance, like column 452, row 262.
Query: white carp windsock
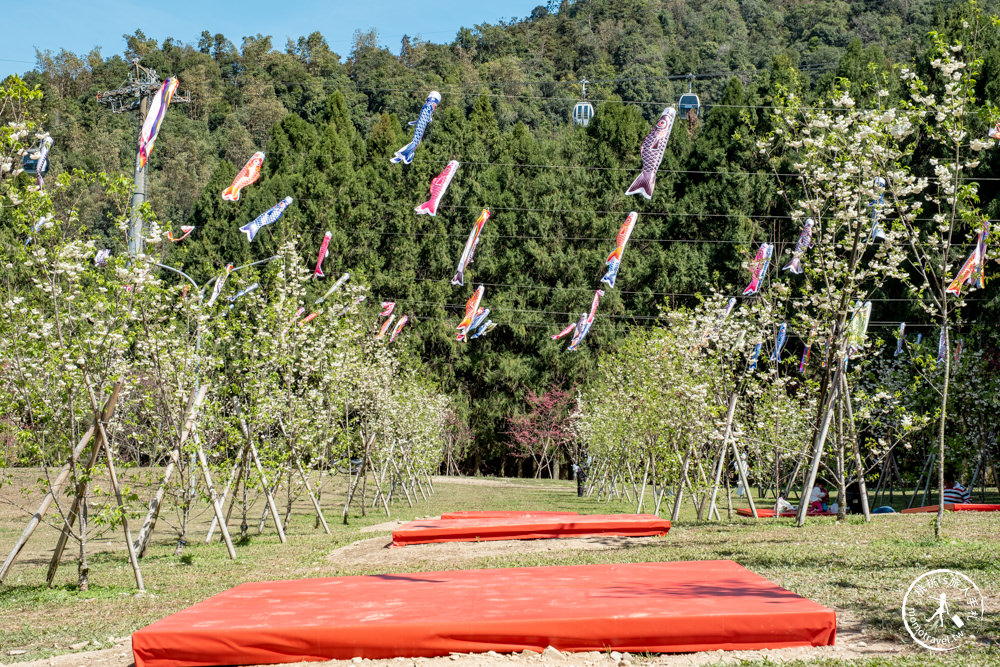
column 439, row 185
column 470, row 247
column 219, row 283
column 857, row 329
column 247, row 176
column 653, row 147
column 323, row 254
column 804, row 243
column 586, row 321
column 471, row 309
column 615, row 258
column 154, row 117
column 336, row 286
column 268, row 217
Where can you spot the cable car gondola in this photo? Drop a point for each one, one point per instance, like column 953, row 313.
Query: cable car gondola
column 583, row 111
column 689, row 101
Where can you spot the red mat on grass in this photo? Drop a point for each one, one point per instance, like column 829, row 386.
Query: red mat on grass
column 638, row 607
column 499, row 514
column 531, row 527
column 769, row 513
column 966, row 507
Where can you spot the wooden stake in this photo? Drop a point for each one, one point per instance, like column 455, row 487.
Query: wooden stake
column 57, row 485
column 216, row 502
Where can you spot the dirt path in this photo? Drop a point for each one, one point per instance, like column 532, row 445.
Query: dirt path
column 850, row 645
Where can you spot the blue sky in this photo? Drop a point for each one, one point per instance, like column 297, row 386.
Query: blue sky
column 80, row 26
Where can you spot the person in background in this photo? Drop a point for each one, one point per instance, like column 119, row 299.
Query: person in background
column 954, row 492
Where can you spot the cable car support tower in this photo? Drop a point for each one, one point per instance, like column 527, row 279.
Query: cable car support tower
column 134, row 95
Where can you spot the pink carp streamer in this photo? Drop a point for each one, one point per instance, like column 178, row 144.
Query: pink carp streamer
column 758, row 269
column 439, row 185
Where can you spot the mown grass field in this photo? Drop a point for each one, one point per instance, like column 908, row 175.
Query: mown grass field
column 860, row 570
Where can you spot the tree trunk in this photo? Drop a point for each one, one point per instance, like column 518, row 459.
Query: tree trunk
column 944, row 417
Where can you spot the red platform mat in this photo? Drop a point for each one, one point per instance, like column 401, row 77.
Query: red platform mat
column 531, row 527
column 966, row 507
column 638, row 607
column 499, row 514
column 769, row 513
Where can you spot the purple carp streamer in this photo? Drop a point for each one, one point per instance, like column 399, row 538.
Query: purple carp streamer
column 470, row 247
column 154, row 118
column 804, row 243
column 615, row 258
column 405, row 154
column 653, row 147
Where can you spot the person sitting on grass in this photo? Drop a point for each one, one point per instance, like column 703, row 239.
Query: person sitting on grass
column 818, row 499
column 955, row 493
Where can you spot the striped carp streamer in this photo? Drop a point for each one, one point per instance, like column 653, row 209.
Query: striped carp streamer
column 471, row 310
column 973, row 270
column 804, row 243
column 405, row 154
column 186, row 229
column 385, row 327
column 154, row 118
column 470, row 247
column 247, row 176
column 399, row 327
column 758, row 269
column 219, row 283
column 653, row 147
column 439, row 185
column 268, row 217
column 614, row 260
column 805, row 353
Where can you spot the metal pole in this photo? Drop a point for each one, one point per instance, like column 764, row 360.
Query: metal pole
column 138, row 192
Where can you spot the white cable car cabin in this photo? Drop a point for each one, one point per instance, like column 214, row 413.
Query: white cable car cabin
column 689, row 101
column 582, row 113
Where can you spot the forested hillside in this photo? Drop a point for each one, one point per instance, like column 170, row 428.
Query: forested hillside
column 330, row 122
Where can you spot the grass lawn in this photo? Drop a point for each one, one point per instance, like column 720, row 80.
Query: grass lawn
column 860, row 570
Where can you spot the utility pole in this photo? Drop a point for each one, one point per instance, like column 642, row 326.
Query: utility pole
column 133, row 95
